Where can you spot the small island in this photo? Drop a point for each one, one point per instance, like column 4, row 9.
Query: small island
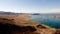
column 36, row 14
column 55, row 16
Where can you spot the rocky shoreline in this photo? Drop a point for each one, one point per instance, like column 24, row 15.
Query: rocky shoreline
column 29, row 29
column 18, row 26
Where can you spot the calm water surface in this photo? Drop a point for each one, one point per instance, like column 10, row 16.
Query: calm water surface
column 46, row 19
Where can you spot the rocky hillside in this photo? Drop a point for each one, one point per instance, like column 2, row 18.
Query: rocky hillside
column 19, row 25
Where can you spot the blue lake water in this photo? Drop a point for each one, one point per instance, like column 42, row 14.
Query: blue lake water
column 46, row 19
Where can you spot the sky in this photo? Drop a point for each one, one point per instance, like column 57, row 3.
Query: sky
column 30, row 6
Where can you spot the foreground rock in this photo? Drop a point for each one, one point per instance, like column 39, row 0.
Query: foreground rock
column 9, row 26
column 57, row 31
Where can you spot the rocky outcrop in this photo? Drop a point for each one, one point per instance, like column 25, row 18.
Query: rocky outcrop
column 57, row 31
column 40, row 26
column 8, row 26
column 11, row 28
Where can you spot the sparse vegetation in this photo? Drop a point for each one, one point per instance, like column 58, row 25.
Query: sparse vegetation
column 31, row 23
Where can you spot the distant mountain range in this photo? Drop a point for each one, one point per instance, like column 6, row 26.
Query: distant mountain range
column 9, row 13
column 12, row 13
column 36, row 14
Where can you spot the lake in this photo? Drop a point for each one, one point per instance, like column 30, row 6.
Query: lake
column 47, row 20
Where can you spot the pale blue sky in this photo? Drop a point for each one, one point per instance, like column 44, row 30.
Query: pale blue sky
column 30, row 6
